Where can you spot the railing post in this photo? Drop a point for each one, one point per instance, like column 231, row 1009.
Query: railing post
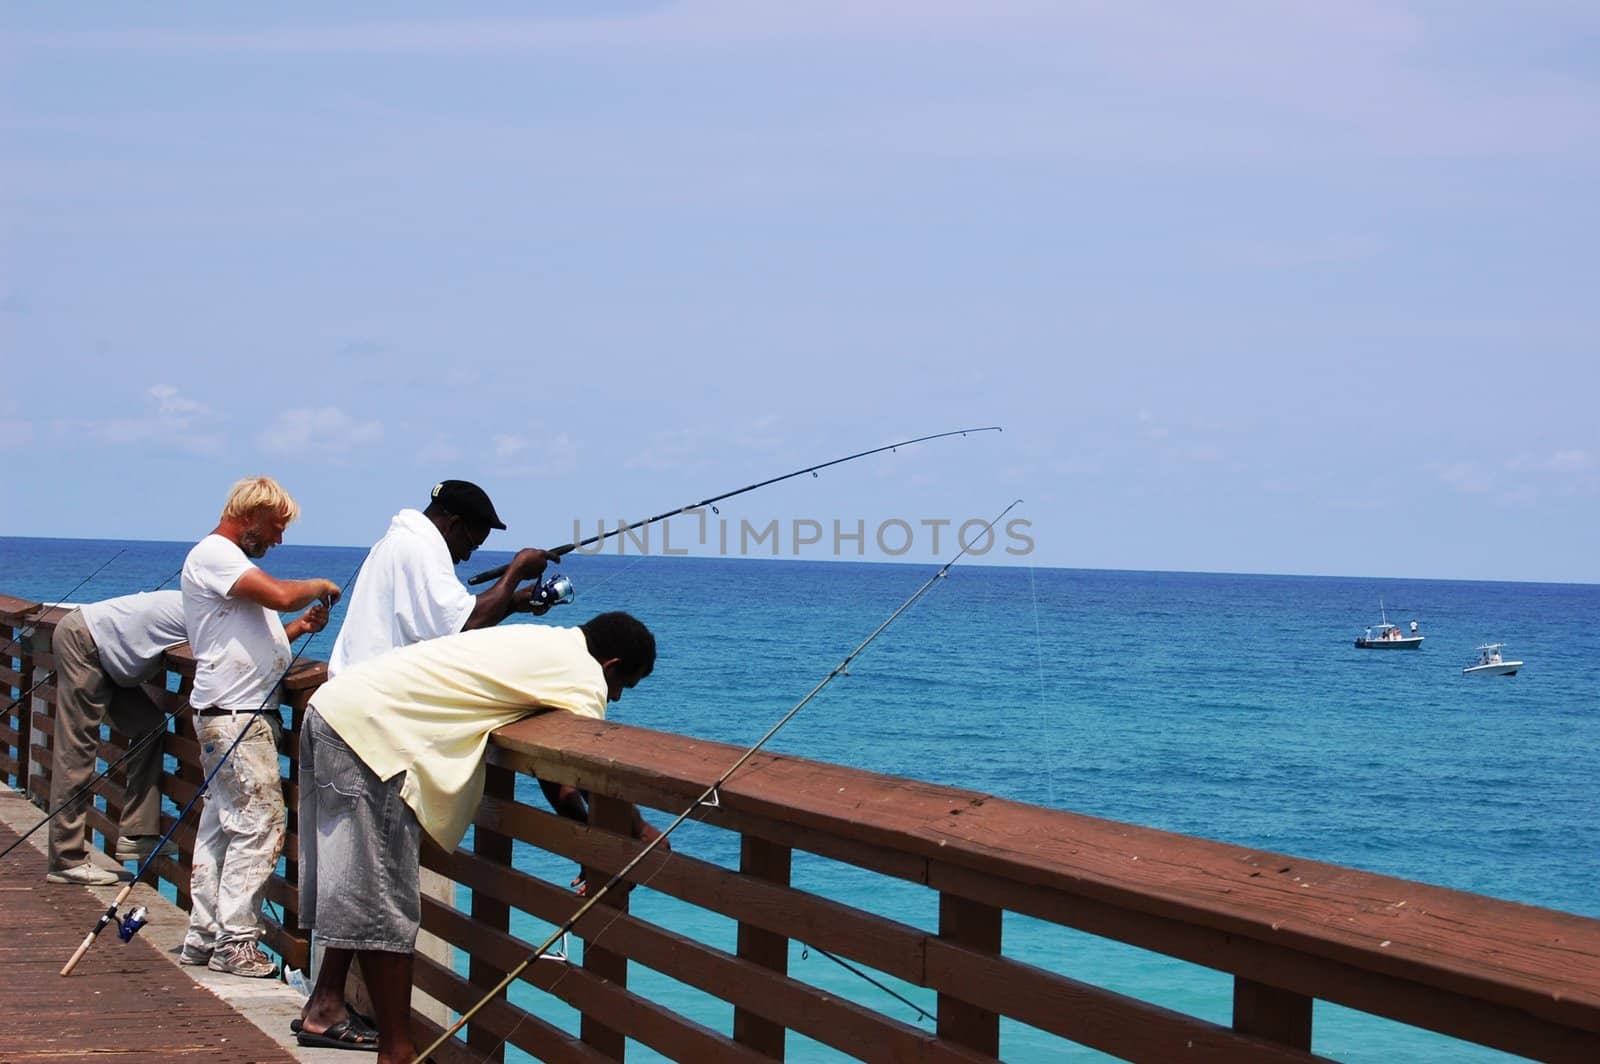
column 608, row 814
column 28, row 780
column 8, row 633
column 1272, row 1012
column 768, row 861
column 16, row 641
column 976, row 926
column 491, row 846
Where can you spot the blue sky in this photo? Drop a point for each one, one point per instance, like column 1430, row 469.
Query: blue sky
column 1252, row 286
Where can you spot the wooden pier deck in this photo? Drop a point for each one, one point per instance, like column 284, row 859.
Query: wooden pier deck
column 126, row 1001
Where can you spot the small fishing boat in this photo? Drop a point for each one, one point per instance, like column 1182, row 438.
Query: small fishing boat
column 1386, row 636
column 1490, row 663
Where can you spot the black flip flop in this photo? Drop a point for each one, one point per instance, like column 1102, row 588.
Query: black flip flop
column 371, row 1024
column 346, row 1034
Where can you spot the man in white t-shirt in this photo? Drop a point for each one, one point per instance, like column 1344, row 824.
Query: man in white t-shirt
column 407, row 590
column 104, row 651
column 241, row 650
column 394, row 747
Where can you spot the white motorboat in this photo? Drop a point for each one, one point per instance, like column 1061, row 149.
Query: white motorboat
column 1490, row 663
column 1386, row 636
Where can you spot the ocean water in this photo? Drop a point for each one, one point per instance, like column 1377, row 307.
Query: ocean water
column 1226, row 706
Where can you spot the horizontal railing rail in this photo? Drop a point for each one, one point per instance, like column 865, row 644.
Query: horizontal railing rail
column 1287, row 931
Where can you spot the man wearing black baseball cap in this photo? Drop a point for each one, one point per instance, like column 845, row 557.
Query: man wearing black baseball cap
column 465, row 499
column 407, row 590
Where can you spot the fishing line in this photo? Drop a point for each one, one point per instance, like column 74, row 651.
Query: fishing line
column 589, row 585
column 143, row 741
column 560, row 551
column 707, row 797
column 27, row 631
column 110, row 915
column 40, row 682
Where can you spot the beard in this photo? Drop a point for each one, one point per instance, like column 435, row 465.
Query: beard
column 253, row 545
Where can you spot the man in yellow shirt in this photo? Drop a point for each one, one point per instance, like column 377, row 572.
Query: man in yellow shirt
column 393, row 747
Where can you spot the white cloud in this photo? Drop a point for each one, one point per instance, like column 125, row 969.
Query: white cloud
column 516, row 456
column 508, row 447
column 438, row 450
column 674, row 449
column 325, row 430
column 1569, row 461
column 1473, row 478
column 1524, row 479
column 18, row 429
column 170, row 422
column 1519, row 495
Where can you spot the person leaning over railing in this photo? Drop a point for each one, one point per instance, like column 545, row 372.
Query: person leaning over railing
column 104, row 651
column 241, row 650
column 394, row 747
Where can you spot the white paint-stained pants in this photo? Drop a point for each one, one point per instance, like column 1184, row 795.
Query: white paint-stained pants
column 241, row 829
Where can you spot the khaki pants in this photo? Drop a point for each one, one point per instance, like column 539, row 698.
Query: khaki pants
column 85, row 699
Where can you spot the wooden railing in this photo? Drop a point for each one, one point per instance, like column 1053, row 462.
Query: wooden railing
column 1288, row 931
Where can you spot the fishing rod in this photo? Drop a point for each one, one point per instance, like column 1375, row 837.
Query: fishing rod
column 143, row 741
column 17, row 640
column 558, row 552
column 922, row 1014
column 707, row 797
column 130, row 924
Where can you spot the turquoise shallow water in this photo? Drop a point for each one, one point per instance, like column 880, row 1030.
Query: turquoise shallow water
column 1227, row 706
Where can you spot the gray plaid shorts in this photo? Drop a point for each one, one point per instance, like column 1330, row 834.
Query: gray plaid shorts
column 359, row 848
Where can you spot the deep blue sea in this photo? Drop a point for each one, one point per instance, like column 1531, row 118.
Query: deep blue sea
column 1227, row 706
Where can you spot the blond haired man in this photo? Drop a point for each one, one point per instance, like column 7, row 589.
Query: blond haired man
column 241, row 649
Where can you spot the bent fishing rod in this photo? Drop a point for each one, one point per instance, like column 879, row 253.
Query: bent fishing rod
column 707, row 797
column 558, row 552
column 130, row 924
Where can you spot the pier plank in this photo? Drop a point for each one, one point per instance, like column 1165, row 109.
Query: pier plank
column 129, row 1004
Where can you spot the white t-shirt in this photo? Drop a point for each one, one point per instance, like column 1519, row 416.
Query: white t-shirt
column 239, row 647
column 407, row 591
column 427, row 709
column 133, row 631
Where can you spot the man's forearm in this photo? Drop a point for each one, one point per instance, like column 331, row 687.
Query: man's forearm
column 566, row 800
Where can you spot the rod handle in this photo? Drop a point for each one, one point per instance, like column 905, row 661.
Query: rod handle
column 100, row 925
column 83, row 947
column 494, row 574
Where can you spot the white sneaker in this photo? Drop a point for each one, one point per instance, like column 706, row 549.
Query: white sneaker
column 138, row 847
column 84, row 875
column 194, row 956
column 242, row 958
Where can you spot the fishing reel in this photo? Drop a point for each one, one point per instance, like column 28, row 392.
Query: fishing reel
column 556, row 591
column 131, row 923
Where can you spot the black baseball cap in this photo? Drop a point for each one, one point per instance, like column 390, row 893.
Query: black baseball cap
column 466, row 499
